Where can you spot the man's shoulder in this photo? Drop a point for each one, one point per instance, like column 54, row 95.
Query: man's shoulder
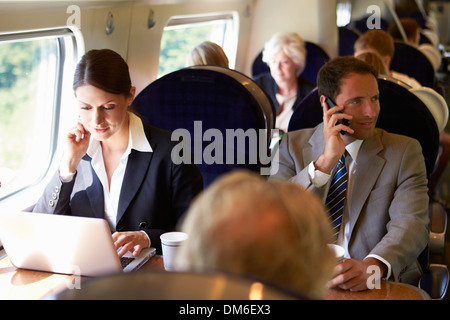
column 301, row 134
column 391, row 136
column 397, row 143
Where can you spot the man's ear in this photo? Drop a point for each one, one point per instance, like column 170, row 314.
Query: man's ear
column 322, row 100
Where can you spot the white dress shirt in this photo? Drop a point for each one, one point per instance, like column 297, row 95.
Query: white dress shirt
column 138, row 141
column 286, row 103
column 320, row 179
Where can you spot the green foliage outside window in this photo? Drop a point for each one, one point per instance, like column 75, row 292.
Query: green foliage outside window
column 20, row 68
column 176, row 43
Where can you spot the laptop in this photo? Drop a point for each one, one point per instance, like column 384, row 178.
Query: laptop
column 64, row 244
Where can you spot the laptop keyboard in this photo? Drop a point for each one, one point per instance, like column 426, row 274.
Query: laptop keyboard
column 124, row 261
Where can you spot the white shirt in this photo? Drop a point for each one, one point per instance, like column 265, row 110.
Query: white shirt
column 319, row 179
column 282, row 120
column 138, row 141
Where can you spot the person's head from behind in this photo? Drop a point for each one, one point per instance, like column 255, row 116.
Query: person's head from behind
column 353, row 84
column 376, row 40
column 207, row 53
column 374, row 59
column 285, row 54
column 275, row 231
column 103, row 88
column 411, row 28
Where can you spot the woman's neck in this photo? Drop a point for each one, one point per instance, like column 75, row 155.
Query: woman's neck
column 118, row 143
column 288, row 89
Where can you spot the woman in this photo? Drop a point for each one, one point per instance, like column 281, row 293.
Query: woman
column 114, row 166
column 374, row 59
column 207, row 53
column 285, row 55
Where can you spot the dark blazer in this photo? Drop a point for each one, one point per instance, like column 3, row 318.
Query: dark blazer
column 270, row 87
column 155, row 192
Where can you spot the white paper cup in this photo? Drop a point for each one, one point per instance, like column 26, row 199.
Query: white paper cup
column 170, row 244
column 338, row 251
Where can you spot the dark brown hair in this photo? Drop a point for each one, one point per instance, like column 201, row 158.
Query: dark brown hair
column 410, row 27
column 331, row 74
column 105, row 70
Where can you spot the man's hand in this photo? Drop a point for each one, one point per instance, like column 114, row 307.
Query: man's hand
column 352, row 274
column 334, row 144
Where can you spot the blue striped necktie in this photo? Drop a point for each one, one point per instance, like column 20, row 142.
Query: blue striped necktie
column 336, row 195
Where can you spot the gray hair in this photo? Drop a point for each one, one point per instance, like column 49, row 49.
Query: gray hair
column 293, row 46
column 276, row 230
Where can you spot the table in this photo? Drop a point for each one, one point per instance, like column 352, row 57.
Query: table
column 388, row 291
column 26, row 284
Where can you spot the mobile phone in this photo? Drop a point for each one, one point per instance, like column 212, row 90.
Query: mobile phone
column 345, row 122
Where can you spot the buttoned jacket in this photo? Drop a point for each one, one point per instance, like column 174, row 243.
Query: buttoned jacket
column 155, row 192
column 388, row 215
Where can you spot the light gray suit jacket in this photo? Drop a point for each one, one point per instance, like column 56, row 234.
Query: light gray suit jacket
column 388, row 215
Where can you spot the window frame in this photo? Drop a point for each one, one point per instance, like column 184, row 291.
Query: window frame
column 70, row 47
column 230, row 47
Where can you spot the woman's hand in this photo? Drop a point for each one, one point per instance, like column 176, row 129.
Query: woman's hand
column 77, row 143
column 133, row 241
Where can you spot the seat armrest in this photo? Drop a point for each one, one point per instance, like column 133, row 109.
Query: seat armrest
column 435, row 281
column 438, row 228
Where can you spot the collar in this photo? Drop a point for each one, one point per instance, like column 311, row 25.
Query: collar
column 137, row 139
column 353, row 148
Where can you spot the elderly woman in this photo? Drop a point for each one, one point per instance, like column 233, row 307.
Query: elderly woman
column 285, row 54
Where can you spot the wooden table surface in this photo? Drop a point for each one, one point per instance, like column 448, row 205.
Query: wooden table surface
column 26, row 284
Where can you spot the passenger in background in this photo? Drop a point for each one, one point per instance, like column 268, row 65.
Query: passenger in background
column 285, row 54
column 381, row 213
column 275, row 231
column 116, row 167
column 374, row 59
column 412, row 31
column 444, row 141
column 382, row 42
column 207, row 53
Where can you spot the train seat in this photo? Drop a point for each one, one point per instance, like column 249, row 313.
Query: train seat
column 210, row 104
column 435, row 103
column 157, row 285
column 347, row 39
column 411, row 61
column 433, row 54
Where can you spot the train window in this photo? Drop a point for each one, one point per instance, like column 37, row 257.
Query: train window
column 31, row 74
column 183, row 33
column 343, row 12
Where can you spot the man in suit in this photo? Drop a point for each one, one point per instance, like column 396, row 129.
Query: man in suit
column 384, row 221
